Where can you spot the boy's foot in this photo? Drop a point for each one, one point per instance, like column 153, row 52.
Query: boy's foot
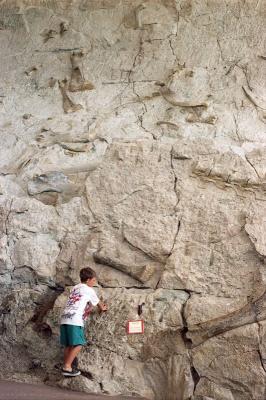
column 73, row 372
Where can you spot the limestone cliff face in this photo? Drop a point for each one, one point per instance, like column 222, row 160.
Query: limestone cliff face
column 133, row 140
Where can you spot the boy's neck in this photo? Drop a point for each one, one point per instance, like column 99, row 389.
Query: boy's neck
column 90, row 283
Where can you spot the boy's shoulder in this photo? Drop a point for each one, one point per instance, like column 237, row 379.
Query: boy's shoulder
column 90, row 289
column 76, row 287
column 82, row 288
column 85, row 288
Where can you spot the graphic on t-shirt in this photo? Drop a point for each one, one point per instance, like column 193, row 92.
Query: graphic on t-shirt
column 87, row 311
column 74, row 297
column 68, row 315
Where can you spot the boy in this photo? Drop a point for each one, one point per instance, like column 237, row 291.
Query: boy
column 79, row 305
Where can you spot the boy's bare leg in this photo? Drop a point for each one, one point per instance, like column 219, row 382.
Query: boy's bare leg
column 66, row 353
column 69, row 356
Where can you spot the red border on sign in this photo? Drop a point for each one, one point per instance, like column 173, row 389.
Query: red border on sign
column 135, row 320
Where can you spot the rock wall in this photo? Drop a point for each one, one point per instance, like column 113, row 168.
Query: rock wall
column 133, row 140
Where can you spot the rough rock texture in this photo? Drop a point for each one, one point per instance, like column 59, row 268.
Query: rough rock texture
column 133, row 140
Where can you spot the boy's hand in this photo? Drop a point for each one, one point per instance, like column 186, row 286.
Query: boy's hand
column 102, row 307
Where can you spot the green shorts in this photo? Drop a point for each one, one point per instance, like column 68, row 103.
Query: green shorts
column 72, row 335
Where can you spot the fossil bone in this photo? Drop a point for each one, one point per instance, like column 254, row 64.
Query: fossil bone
column 68, row 105
column 172, row 98
column 77, row 81
column 257, row 101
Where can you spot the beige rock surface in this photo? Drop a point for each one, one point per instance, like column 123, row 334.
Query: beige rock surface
column 235, row 359
column 133, row 141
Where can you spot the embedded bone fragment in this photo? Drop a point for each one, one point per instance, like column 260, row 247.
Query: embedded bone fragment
column 170, row 124
column 171, row 97
column 48, row 34
column 133, row 19
column 257, row 101
column 63, row 28
column 68, row 104
column 78, row 143
column 193, row 118
column 77, row 81
column 54, row 181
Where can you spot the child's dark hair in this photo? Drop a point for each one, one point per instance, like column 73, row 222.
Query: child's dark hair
column 86, row 273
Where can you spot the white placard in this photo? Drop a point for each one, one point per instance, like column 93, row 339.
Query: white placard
column 135, row 327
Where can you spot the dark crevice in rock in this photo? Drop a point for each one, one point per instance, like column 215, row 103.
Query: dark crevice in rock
column 195, row 376
column 175, row 177
column 87, row 374
column 140, row 117
column 102, row 285
column 139, row 54
column 252, row 166
column 42, row 309
column 184, row 330
column 176, row 234
column 188, row 343
column 262, row 360
column 7, row 217
column 177, row 201
column 59, row 50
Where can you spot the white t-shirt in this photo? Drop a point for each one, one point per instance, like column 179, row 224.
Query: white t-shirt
column 81, row 300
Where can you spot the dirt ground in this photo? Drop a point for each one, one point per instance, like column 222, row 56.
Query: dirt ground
column 22, row 391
